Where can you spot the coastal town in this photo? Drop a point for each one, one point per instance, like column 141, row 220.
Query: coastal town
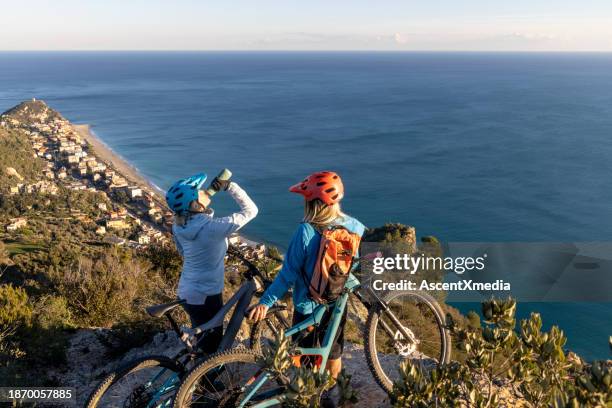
column 137, row 217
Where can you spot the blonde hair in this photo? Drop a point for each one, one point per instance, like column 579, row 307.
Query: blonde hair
column 321, row 215
column 194, row 207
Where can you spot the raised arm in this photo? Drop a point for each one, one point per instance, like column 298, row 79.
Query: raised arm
column 248, row 210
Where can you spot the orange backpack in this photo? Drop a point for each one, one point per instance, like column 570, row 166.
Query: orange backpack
column 337, row 252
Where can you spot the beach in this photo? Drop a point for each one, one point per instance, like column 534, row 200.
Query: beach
column 112, row 159
column 129, row 172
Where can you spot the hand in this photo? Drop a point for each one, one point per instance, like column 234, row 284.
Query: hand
column 258, row 313
column 219, row 185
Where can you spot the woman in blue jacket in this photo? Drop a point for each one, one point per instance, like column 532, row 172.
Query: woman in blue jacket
column 322, row 193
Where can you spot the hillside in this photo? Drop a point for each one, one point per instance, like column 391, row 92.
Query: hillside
column 80, row 249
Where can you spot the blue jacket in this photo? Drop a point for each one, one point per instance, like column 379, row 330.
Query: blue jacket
column 299, row 264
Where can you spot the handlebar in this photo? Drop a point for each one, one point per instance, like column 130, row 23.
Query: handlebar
column 252, row 270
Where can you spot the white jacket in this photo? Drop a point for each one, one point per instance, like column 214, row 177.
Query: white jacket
column 203, row 244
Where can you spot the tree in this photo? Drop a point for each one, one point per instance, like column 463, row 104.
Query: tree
column 4, row 255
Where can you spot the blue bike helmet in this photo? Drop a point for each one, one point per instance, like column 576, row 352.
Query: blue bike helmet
column 183, row 192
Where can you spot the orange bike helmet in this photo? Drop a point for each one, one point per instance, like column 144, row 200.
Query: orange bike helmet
column 324, row 185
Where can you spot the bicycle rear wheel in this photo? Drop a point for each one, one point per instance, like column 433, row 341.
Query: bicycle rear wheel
column 386, row 348
column 145, row 382
column 221, row 381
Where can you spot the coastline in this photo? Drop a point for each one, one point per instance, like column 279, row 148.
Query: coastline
column 103, row 152
column 110, row 157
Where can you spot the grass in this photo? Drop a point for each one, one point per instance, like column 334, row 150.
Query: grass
column 16, row 248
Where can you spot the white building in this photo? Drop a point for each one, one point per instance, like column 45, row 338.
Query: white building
column 144, row 239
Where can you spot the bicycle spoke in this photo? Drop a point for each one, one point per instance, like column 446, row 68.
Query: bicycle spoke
column 224, row 385
column 142, row 388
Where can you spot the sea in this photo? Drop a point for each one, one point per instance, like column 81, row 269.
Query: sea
column 463, row 146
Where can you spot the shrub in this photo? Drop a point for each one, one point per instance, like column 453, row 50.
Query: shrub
column 4, row 255
column 15, row 311
column 304, row 384
column 45, row 341
column 34, row 335
column 530, row 366
column 166, row 259
column 15, row 315
column 269, row 267
column 274, row 253
column 422, row 388
column 539, row 365
column 52, row 312
column 110, row 288
column 592, row 388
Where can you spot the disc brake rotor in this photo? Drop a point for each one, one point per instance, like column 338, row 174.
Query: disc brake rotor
column 139, row 398
column 405, row 347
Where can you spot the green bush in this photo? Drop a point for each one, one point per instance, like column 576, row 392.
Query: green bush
column 304, row 384
column 274, row 253
column 52, row 312
column 166, row 260
column 502, row 367
column 45, row 340
column 15, row 314
column 111, row 288
column 31, row 335
column 15, row 311
column 4, row 255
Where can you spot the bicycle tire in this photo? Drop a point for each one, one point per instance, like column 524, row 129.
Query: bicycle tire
column 129, row 368
column 238, row 355
column 374, row 364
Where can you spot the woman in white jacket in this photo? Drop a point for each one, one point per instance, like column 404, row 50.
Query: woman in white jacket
column 202, row 242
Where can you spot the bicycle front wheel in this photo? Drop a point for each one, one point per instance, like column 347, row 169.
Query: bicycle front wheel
column 264, row 332
column 428, row 343
column 149, row 381
column 223, row 381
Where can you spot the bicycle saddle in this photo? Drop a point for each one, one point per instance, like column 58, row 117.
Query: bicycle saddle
column 160, row 310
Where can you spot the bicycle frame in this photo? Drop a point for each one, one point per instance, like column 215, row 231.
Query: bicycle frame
column 168, row 386
column 242, row 299
column 313, row 320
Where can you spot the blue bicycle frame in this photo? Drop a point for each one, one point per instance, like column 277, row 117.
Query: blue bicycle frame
column 313, row 320
column 170, row 385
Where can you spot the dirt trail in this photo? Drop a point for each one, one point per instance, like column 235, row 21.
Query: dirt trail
column 88, row 363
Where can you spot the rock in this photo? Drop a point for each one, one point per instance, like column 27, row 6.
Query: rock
column 12, row 172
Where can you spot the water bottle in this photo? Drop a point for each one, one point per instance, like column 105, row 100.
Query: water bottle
column 224, row 175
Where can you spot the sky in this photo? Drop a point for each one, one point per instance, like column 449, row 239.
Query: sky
column 408, row 25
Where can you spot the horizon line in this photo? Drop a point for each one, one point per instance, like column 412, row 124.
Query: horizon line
column 313, row 51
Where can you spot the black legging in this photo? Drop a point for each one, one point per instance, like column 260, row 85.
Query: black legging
column 200, row 314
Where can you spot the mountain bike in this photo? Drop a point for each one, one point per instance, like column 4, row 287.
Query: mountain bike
column 151, row 381
column 401, row 325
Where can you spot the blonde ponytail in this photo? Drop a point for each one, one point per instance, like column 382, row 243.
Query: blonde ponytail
column 321, row 215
